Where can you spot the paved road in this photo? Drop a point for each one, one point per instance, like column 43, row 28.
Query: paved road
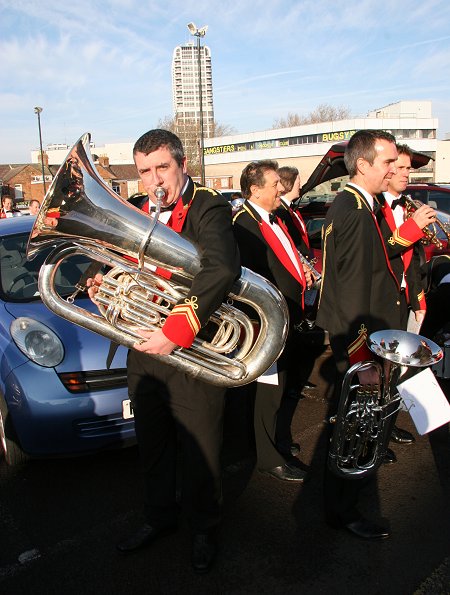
column 60, row 519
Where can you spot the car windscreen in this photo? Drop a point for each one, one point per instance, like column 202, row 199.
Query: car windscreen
column 19, row 277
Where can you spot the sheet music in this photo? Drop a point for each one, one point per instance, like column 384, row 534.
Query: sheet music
column 425, row 401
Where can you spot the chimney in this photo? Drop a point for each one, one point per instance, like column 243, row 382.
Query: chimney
column 44, row 158
column 103, row 160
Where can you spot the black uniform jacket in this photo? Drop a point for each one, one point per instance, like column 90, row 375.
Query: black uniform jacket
column 203, row 217
column 359, row 291
column 259, row 256
column 296, row 227
column 405, row 252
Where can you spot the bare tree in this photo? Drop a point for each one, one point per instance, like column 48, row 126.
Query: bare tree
column 189, row 133
column 322, row 113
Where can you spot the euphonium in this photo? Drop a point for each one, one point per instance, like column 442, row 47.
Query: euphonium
column 431, row 231
column 81, row 215
column 366, row 413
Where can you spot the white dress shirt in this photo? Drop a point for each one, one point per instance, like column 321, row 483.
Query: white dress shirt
column 280, row 235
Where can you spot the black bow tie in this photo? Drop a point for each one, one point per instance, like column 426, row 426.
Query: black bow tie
column 272, row 218
column 164, row 209
column 398, row 201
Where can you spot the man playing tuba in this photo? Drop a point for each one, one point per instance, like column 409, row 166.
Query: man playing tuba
column 172, row 408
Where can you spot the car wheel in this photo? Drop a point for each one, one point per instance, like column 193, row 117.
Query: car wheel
column 9, row 443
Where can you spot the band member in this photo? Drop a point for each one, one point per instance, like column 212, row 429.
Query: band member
column 267, row 248
column 291, row 182
column 406, row 254
column 34, row 207
column 9, row 209
column 360, row 294
column 171, row 408
column 297, row 376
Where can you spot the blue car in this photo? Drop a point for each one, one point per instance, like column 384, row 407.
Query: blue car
column 56, row 395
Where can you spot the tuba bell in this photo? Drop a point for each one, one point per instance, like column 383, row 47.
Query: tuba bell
column 366, row 413
column 81, row 215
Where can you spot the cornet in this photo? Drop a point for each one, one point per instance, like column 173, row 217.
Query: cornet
column 431, row 231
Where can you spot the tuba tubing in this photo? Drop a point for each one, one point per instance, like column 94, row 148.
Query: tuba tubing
column 81, row 215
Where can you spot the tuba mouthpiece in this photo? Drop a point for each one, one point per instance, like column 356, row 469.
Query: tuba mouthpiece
column 160, row 193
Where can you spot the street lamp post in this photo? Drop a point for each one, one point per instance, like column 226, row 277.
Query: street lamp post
column 38, row 110
column 198, row 33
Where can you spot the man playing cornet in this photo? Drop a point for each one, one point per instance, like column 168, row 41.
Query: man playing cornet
column 402, row 239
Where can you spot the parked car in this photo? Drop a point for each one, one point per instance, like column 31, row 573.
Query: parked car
column 56, row 395
column 436, row 195
column 330, row 176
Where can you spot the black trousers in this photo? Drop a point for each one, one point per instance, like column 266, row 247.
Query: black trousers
column 179, row 424
column 268, row 400
column 341, row 495
column 437, row 315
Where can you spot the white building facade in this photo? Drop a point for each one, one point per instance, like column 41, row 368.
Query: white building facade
column 186, row 86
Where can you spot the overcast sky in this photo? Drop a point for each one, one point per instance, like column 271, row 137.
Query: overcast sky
column 105, row 67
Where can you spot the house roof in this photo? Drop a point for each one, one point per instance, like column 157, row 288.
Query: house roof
column 111, row 172
column 9, row 172
column 5, row 168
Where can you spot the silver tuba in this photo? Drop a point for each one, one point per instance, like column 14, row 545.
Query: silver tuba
column 366, row 413
column 80, row 214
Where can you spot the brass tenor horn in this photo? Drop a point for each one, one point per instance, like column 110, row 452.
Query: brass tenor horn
column 82, row 215
column 366, row 413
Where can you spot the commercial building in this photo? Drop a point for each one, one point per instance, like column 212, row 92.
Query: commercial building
column 411, row 122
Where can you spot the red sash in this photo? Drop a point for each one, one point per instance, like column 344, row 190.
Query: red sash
column 272, row 239
column 300, row 225
column 389, row 216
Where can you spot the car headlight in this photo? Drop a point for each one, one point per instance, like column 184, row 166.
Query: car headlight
column 40, row 344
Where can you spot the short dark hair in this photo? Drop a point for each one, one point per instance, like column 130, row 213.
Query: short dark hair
column 405, row 150
column 7, row 197
column 253, row 175
column 157, row 138
column 362, row 144
column 288, row 175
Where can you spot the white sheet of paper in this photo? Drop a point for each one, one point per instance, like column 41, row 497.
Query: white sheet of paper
column 425, row 401
column 270, row 376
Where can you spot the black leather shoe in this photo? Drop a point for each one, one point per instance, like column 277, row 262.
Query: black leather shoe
column 365, row 529
column 287, row 472
column 204, row 550
column 390, row 457
column 309, row 385
column 402, row 436
column 144, row 537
